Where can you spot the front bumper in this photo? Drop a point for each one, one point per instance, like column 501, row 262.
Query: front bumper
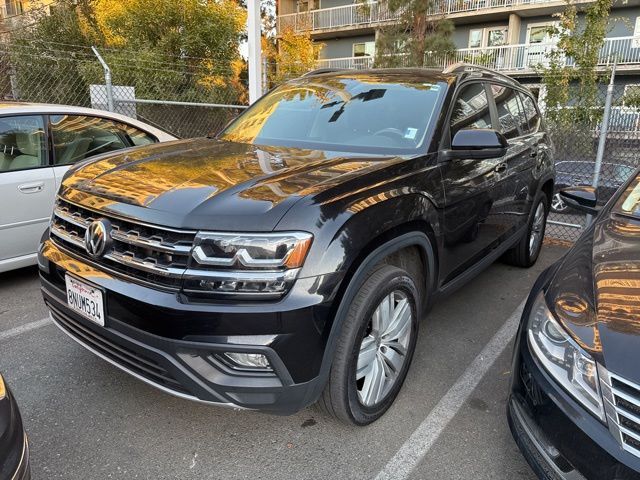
column 14, row 446
column 558, row 437
column 177, row 345
column 23, row 472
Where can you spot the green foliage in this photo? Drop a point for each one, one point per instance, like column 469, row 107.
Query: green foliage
column 417, row 39
column 167, row 49
column 571, row 74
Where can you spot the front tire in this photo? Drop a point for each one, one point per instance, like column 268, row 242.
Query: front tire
column 374, row 348
column 527, row 250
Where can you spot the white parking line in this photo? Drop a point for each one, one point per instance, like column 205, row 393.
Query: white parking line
column 12, row 332
column 424, row 437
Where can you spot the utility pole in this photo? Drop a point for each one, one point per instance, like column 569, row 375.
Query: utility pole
column 604, row 128
column 255, row 50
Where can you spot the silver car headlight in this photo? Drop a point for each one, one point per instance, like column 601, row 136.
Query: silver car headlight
column 562, row 357
column 260, row 264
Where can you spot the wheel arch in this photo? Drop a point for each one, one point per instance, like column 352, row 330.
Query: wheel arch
column 412, row 234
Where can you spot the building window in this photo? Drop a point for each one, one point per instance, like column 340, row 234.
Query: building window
column 487, row 37
column 475, row 38
column 364, row 49
column 541, row 33
column 631, row 96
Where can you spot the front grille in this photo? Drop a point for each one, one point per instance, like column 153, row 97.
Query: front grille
column 151, row 254
column 118, row 353
column 622, row 406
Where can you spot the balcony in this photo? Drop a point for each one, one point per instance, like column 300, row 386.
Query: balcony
column 11, row 9
column 347, row 16
column 520, row 59
column 366, row 15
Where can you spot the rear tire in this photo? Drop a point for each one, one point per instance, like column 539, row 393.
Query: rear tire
column 525, row 253
column 374, row 348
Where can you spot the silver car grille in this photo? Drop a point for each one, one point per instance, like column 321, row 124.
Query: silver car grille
column 622, row 406
column 147, row 253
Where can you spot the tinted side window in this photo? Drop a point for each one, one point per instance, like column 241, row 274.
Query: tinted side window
column 76, row 137
column 530, row 112
column 512, row 120
column 137, row 137
column 471, row 109
column 22, row 143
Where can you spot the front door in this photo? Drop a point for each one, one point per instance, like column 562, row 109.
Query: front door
column 27, row 186
column 474, row 223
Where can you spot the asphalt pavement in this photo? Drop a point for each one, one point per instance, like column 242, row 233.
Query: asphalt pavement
column 88, row 420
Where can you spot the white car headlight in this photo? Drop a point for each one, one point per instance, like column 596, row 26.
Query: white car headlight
column 563, row 358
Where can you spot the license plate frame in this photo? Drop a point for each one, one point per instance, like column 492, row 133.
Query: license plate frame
column 92, row 307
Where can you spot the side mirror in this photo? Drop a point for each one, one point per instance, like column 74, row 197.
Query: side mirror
column 583, row 199
column 477, row 143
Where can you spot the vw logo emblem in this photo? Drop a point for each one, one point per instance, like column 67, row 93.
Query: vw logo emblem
column 97, row 237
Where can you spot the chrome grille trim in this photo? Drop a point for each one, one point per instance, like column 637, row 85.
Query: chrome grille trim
column 149, row 243
column 68, row 237
column 141, row 252
column 617, row 413
column 63, row 213
column 144, row 265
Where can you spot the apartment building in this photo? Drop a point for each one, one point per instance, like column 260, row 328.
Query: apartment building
column 508, row 35
column 15, row 14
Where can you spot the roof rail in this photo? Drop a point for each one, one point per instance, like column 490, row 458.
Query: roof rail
column 320, row 71
column 460, row 67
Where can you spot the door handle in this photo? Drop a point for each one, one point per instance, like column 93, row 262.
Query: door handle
column 501, row 167
column 31, row 187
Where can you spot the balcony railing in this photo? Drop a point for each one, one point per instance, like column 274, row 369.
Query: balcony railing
column 353, row 15
column 625, row 51
column 11, row 9
column 374, row 13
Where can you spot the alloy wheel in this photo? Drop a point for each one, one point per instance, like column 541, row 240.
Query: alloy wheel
column 383, row 351
column 537, row 230
column 557, row 203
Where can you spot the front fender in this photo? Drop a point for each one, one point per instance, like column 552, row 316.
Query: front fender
column 345, row 232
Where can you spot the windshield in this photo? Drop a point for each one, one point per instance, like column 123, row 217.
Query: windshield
column 367, row 113
column 629, row 201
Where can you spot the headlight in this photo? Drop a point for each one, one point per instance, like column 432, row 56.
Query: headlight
column 561, row 356
column 264, row 264
column 3, row 389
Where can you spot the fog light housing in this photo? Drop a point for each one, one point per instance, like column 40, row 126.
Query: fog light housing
column 249, row 360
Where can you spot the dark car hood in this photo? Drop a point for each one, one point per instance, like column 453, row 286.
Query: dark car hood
column 206, row 183
column 596, row 293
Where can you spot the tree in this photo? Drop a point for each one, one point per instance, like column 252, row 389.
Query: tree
column 294, row 54
column 418, row 39
column 166, row 49
column 571, row 76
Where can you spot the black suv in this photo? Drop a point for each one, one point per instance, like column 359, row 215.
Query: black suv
column 289, row 259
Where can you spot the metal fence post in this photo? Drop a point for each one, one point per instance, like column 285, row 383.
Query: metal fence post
column 107, row 79
column 602, row 141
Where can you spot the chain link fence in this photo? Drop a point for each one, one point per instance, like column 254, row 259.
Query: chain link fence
column 190, row 101
column 186, row 97
column 576, row 154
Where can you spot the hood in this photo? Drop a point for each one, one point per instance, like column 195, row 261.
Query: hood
column 596, row 293
column 211, row 184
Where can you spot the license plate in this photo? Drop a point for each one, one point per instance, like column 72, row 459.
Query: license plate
column 85, row 299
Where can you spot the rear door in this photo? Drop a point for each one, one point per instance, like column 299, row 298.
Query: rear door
column 517, row 178
column 27, row 186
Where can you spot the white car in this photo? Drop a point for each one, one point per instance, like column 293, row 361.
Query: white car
column 38, row 143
